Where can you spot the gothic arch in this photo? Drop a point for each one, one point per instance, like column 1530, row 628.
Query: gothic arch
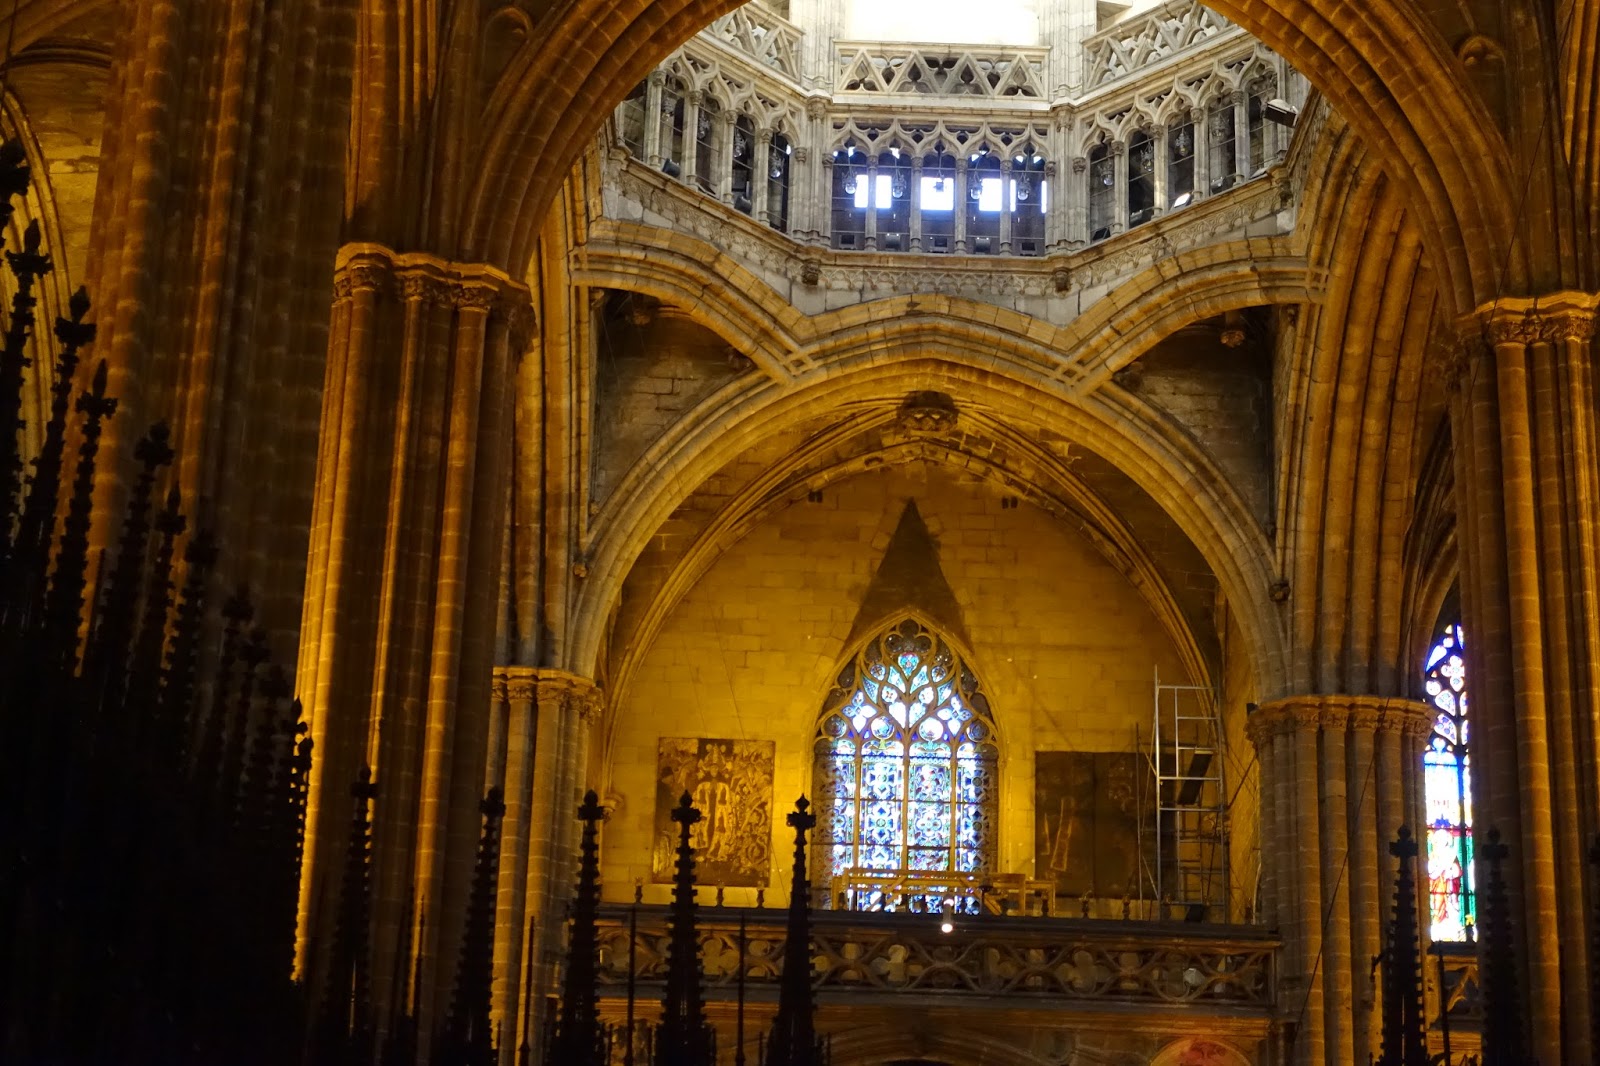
column 1170, row 470
column 1115, row 330
column 1056, row 490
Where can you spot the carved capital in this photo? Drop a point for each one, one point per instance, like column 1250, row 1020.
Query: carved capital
column 569, row 693
column 516, row 683
column 424, row 288
column 816, row 107
column 475, row 295
column 1553, row 318
column 420, row 276
column 521, row 320
column 360, row 277
column 1080, row 164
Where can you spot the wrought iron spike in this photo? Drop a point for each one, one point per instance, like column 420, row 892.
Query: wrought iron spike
column 1504, row 1038
column 344, row 1025
column 65, row 601
column 683, row 1038
column 578, row 1036
column 794, row 1037
column 1404, row 1040
column 469, row 1039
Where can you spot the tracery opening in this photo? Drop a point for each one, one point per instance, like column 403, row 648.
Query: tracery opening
column 1447, row 771
column 906, row 762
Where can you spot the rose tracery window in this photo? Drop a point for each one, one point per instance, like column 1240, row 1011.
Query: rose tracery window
column 905, row 763
column 1447, row 771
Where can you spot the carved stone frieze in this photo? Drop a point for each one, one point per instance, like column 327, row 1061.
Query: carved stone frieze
column 436, row 282
column 1553, row 318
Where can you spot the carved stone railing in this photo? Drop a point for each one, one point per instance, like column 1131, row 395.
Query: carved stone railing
column 940, row 70
column 1132, row 46
column 1220, row 970
column 762, row 35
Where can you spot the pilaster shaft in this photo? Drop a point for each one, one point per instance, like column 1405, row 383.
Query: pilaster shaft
column 1330, row 764
column 1523, row 413
column 398, row 622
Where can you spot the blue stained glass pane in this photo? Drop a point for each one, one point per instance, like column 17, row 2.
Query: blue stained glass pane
column 969, row 780
column 930, row 859
column 880, row 857
column 968, row 860
column 842, row 823
column 930, row 780
column 882, row 778
column 840, row 858
column 869, row 688
column 930, row 825
column 843, row 775
column 881, row 823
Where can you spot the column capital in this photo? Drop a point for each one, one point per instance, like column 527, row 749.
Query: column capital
column 1547, row 319
column 1370, row 714
column 436, row 282
column 569, row 692
column 515, row 683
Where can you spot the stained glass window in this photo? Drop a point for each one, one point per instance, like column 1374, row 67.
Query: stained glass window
column 1447, row 770
column 905, row 771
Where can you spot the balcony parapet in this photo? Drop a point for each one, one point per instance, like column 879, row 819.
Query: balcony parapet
column 1178, row 967
column 761, row 35
column 938, row 70
column 1135, row 45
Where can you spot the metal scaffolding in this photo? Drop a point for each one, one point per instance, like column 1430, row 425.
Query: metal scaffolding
column 1186, row 869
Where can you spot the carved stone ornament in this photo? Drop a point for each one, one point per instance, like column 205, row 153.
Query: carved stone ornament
column 1551, row 319
column 927, row 414
column 516, row 683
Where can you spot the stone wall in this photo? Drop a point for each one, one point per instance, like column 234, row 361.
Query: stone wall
column 1062, row 642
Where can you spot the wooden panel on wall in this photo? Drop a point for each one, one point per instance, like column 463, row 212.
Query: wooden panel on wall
column 730, row 782
column 1086, row 818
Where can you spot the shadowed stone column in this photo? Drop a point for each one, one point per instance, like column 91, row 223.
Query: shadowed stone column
column 1523, row 412
column 403, row 576
column 1335, row 774
column 567, row 706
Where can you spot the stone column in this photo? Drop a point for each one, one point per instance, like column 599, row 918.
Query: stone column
column 515, row 689
column 1007, row 206
column 1241, row 135
column 821, row 188
column 914, row 195
column 1330, row 807
column 722, row 154
column 208, row 105
column 761, row 176
column 1528, row 476
column 1202, row 152
column 960, row 211
column 869, row 239
column 403, row 574
column 653, row 118
column 1119, row 203
column 1075, row 198
column 689, row 165
column 567, row 707
column 1158, row 171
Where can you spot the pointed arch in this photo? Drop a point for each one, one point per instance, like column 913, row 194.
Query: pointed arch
column 906, row 773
